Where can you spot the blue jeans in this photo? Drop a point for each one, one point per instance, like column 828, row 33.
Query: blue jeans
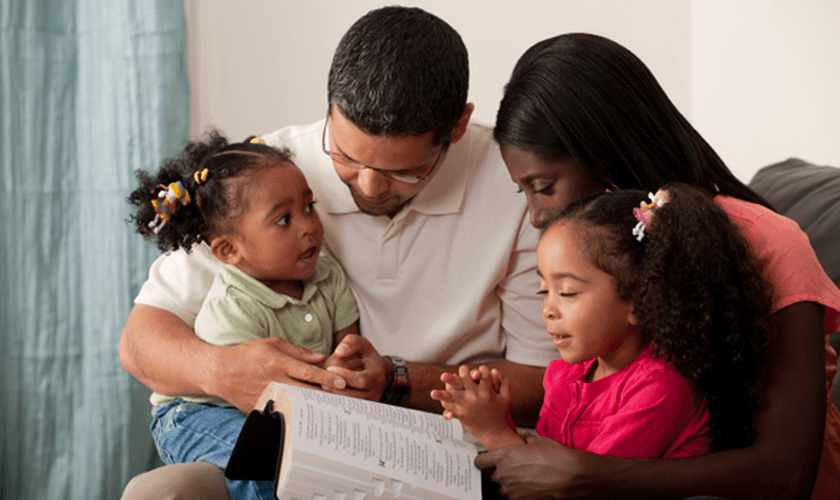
column 194, row 432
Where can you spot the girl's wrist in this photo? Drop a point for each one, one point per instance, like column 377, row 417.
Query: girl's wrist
column 493, row 440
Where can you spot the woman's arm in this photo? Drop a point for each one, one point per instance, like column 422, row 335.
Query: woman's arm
column 162, row 352
column 789, row 425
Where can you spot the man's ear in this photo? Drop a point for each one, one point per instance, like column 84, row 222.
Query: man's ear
column 225, row 249
column 461, row 127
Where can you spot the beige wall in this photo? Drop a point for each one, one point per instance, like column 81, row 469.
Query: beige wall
column 765, row 80
column 757, row 77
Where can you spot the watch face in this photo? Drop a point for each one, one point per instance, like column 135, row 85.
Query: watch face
column 400, row 371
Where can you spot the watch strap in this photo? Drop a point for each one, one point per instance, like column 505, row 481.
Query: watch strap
column 400, row 385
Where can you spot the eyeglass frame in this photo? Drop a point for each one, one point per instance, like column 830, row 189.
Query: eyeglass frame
column 347, row 162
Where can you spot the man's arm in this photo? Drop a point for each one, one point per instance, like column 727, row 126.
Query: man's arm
column 163, row 353
column 789, row 425
column 370, row 383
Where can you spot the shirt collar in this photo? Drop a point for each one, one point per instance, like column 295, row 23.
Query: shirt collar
column 237, row 278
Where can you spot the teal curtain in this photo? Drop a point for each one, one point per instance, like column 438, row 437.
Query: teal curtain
column 90, row 92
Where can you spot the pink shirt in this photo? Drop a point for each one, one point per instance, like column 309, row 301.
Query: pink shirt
column 645, row 410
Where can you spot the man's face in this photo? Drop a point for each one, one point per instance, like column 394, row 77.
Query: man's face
column 366, row 162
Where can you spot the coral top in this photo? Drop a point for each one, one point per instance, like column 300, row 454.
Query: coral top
column 797, row 276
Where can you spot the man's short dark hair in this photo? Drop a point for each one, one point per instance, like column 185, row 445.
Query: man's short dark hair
column 400, row 71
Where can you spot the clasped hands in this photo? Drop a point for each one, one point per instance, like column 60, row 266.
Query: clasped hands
column 480, row 398
column 365, row 372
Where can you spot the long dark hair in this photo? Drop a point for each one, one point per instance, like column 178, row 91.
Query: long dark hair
column 586, row 97
column 697, row 289
column 215, row 201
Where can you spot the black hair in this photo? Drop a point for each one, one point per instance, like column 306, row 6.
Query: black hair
column 401, row 71
column 215, row 202
column 587, row 97
column 698, row 293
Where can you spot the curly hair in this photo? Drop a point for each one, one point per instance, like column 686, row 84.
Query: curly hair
column 400, row 71
column 698, row 294
column 217, row 202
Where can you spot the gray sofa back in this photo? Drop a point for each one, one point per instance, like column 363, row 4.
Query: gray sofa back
column 810, row 195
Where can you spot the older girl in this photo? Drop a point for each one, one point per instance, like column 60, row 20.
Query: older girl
column 659, row 313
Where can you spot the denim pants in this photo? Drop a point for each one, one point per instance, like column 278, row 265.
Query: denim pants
column 192, row 432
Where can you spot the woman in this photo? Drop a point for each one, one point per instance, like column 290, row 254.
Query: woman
column 581, row 114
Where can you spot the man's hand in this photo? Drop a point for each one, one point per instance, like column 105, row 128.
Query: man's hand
column 356, row 361
column 241, row 372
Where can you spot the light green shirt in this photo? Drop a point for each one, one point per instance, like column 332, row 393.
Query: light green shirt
column 239, row 308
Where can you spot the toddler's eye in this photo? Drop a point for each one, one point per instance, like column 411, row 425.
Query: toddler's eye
column 283, row 221
column 542, row 292
column 311, row 206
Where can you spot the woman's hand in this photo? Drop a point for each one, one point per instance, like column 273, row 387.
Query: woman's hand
column 541, row 468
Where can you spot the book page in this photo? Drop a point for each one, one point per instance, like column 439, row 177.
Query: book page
column 415, row 448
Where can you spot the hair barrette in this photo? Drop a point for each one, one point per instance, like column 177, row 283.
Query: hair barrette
column 168, row 199
column 256, row 140
column 200, row 176
column 644, row 213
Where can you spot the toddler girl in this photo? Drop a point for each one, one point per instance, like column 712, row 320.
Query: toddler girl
column 254, row 209
column 659, row 311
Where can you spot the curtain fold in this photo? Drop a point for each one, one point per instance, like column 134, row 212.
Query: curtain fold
column 90, row 92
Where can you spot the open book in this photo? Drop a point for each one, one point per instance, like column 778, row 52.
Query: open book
column 339, row 448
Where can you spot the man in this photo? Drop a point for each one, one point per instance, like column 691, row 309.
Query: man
column 417, row 205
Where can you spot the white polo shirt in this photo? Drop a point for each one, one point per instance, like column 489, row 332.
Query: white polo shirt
column 450, row 279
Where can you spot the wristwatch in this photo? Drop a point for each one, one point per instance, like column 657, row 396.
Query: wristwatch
column 396, row 392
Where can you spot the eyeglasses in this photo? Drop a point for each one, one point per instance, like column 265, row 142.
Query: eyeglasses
column 399, row 176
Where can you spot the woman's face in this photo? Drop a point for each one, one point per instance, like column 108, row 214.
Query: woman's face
column 549, row 185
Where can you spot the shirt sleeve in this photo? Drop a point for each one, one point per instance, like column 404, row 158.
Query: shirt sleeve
column 654, row 413
column 179, row 281
column 228, row 320
column 527, row 341
column 793, row 267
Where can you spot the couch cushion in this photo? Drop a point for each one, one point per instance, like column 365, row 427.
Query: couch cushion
column 810, row 195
